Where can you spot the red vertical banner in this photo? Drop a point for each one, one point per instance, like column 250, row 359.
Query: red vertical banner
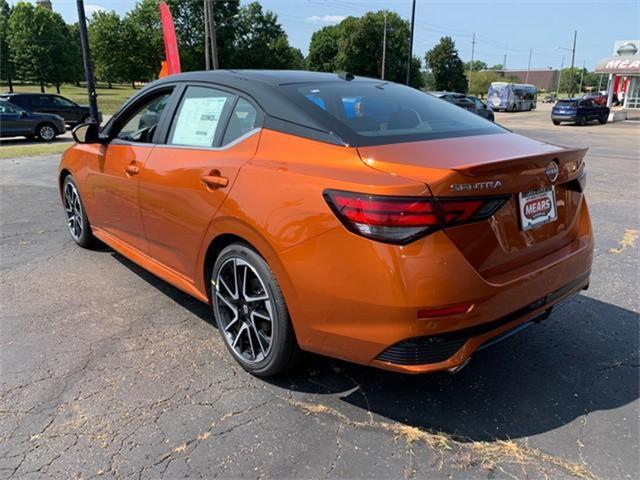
column 170, row 40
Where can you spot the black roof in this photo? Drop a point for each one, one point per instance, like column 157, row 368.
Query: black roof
column 263, row 87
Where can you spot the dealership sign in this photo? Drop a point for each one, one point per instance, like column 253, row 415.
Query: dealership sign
column 625, row 59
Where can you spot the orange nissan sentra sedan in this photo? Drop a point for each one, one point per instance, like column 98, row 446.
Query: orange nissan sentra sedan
column 351, row 217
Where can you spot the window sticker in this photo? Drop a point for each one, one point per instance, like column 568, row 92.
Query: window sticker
column 197, row 121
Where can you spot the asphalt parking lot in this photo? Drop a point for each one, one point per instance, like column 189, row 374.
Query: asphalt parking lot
column 108, row 372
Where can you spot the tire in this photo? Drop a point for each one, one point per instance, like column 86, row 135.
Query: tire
column 603, row 119
column 75, row 213
column 556, row 122
column 46, row 132
column 251, row 313
column 581, row 120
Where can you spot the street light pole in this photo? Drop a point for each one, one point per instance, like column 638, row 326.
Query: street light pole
column 526, row 78
column 584, row 63
column 413, row 18
column 559, row 77
column 88, row 66
column 473, row 51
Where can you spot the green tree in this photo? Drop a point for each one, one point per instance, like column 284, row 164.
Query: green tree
column 37, row 39
column 497, row 66
column 260, row 41
column 323, row 49
column 188, row 18
column 570, row 80
column 355, row 45
column 106, row 36
column 6, row 61
column 446, row 66
column 143, row 46
column 476, row 64
column 74, row 54
column 481, row 80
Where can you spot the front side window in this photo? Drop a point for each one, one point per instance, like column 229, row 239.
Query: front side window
column 243, row 119
column 62, row 102
column 380, row 112
column 198, row 118
column 142, row 124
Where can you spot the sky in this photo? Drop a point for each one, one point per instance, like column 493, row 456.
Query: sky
column 513, row 27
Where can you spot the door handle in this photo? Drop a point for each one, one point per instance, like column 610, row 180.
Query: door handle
column 132, row 169
column 215, row 180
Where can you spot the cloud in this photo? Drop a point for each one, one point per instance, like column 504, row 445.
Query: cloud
column 326, row 18
column 91, row 9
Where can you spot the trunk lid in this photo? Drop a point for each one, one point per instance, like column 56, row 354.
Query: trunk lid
column 501, row 164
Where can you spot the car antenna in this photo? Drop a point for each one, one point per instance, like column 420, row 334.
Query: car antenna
column 346, row 76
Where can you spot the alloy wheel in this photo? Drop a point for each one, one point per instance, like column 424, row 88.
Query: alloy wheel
column 244, row 309
column 46, row 133
column 73, row 210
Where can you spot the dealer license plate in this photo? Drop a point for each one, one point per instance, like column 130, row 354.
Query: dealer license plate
column 537, row 207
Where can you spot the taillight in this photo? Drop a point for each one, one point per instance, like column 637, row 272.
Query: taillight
column 400, row 220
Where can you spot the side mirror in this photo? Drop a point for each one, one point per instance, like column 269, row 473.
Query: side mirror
column 24, row 114
column 88, row 133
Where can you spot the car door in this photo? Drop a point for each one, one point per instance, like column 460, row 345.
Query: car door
column 212, row 135
column 66, row 108
column 113, row 179
column 11, row 122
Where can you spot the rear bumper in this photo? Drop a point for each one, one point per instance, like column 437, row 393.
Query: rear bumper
column 563, row 118
column 364, row 299
column 450, row 350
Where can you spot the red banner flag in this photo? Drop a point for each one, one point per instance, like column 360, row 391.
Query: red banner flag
column 170, row 40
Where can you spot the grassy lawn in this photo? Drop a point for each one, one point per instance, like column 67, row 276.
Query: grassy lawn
column 109, row 99
column 32, row 149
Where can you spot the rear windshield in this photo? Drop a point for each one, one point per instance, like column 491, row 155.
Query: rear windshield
column 567, row 103
column 373, row 113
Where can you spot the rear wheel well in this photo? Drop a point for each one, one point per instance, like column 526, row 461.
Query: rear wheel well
column 217, row 245
column 63, row 174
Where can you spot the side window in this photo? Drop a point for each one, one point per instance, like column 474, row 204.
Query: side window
column 43, row 102
column 141, row 125
column 7, row 108
column 62, row 102
column 243, row 120
column 198, row 117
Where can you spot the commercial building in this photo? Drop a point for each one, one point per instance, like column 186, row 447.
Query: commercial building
column 623, row 68
column 543, row 79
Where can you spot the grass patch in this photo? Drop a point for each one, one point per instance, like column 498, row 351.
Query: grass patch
column 109, row 99
column 13, row 151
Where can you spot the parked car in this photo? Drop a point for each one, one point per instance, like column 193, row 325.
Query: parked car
column 482, row 109
column 579, row 111
column 72, row 113
column 404, row 235
column 18, row 122
column 459, row 99
column 549, row 99
column 596, row 97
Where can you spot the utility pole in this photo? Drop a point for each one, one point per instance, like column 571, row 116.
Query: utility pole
column 410, row 60
column 526, row 77
column 384, row 44
column 88, row 66
column 573, row 59
column 473, row 51
column 211, row 23
column 584, row 63
column 600, row 82
column 504, row 61
column 207, row 51
column 559, row 77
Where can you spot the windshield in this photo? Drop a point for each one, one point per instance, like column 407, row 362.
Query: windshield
column 379, row 112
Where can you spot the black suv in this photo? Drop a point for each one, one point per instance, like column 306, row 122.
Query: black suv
column 72, row 113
